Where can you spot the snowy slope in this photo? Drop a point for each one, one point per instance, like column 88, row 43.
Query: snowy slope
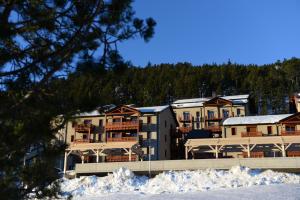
column 185, row 183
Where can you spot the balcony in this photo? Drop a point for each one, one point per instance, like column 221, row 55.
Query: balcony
column 290, row 133
column 213, row 128
column 258, row 154
column 84, row 128
column 185, row 129
column 79, row 141
column 122, row 139
column 186, row 119
column 252, row 134
column 121, row 158
column 213, row 118
column 119, row 126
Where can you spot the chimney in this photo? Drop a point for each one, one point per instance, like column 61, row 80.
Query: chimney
column 213, row 94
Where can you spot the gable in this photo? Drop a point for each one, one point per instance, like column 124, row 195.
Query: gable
column 217, row 101
column 122, row 110
column 293, row 119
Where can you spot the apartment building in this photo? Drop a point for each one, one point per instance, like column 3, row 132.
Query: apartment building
column 122, row 133
column 295, row 103
column 207, row 113
column 263, row 126
column 251, row 136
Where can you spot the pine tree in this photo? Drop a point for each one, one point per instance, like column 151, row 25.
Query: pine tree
column 40, row 42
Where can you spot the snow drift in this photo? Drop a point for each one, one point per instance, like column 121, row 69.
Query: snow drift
column 123, row 180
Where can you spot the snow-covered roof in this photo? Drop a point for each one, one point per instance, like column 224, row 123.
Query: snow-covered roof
column 90, row 114
column 262, row 119
column 188, row 105
column 152, row 109
column 195, row 100
column 237, row 99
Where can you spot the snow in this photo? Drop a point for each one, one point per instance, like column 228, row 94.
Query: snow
column 123, row 181
column 198, row 102
column 153, row 109
column 188, row 105
column 195, row 100
column 262, row 119
column 89, row 114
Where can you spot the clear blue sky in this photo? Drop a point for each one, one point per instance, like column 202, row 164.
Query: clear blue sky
column 213, row 31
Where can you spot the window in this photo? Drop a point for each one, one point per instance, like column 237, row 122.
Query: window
column 100, row 122
column 233, row 131
column 165, row 123
column 238, row 112
column 186, row 116
column 149, row 120
column 74, row 124
column 210, row 114
column 72, row 138
column 198, row 125
column 84, row 137
column 251, row 129
column 269, row 130
column 165, row 153
column 148, row 135
column 290, row 128
column 198, row 116
column 225, row 113
column 87, row 122
column 165, row 138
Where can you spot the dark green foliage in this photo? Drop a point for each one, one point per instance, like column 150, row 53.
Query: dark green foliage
column 268, row 85
column 40, row 41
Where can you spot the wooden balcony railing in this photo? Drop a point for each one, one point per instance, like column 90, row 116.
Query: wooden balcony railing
column 129, row 125
column 186, row 119
column 121, row 158
column 78, row 141
column 293, row 153
column 252, row 134
column 258, row 154
column 122, row 139
column 213, row 128
column 213, row 118
column 84, row 128
column 290, row 133
column 185, row 129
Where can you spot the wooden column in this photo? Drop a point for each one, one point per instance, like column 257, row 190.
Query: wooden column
column 65, row 162
column 186, row 152
column 248, row 151
column 97, row 158
column 283, row 150
column 130, row 154
column 82, row 159
column 216, row 152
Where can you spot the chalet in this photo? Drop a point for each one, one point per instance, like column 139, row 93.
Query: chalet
column 207, row 113
column 122, row 133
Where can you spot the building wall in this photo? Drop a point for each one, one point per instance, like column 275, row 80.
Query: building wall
column 166, row 123
column 233, row 110
column 149, row 135
column 79, row 120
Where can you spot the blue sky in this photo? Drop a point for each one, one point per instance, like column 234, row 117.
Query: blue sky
column 213, row 31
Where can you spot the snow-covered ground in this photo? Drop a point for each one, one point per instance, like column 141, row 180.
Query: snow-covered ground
column 237, row 183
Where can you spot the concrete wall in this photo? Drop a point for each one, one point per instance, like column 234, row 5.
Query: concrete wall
column 281, row 164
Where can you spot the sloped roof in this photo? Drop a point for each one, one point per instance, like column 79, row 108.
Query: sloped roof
column 262, row 119
column 152, row 109
column 194, row 100
column 198, row 102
